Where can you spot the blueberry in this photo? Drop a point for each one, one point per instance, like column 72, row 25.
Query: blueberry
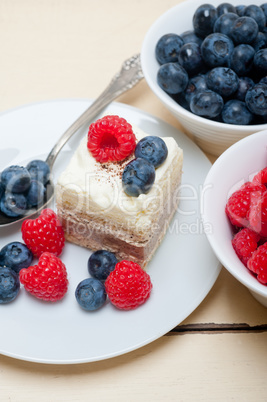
column 264, row 31
column 180, row 99
column 168, row 48
column 222, row 80
column 39, row 170
column 244, row 84
column 195, row 84
column 172, row 78
column 35, row 194
column 206, row 103
column 138, row 177
column 263, row 80
column 256, row 99
column 260, row 42
column 257, row 14
column 16, row 179
column 224, row 8
column 244, row 30
column 264, row 9
column 224, row 23
column 90, row 294
column 153, row 149
column 191, row 37
column 190, row 59
column 101, row 263
column 236, row 112
column 240, row 10
column 204, row 19
column 216, row 49
column 16, row 256
column 2, row 190
column 9, row 285
column 13, row 205
column 260, row 62
column 241, row 59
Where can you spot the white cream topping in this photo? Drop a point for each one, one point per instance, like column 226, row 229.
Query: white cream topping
column 101, row 184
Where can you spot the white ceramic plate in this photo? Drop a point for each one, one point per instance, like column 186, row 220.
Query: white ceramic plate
column 183, row 269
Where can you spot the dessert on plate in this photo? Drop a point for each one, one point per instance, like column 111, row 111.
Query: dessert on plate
column 120, row 190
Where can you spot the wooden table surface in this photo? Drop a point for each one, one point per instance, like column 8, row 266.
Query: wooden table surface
column 62, row 49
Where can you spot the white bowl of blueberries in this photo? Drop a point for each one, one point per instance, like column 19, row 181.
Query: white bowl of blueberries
column 207, row 63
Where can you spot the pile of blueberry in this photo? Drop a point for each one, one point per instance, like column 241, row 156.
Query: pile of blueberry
column 90, row 292
column 23, row 188
column 139, row 174
column 13, row 257
column 218, row 70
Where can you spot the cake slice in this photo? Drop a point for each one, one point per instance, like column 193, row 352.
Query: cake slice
column 96, row 212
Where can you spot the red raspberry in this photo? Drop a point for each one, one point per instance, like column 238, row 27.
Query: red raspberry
column 47, row 280
column 44, row 233
column 245, row 243
column 261, row 177
column 111, row 139
column 238, row 204
column 258, row 215
column 128, row 285
column 258, row 263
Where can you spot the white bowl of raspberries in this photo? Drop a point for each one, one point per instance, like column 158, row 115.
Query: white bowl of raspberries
column 234, row 212
column 207, row 63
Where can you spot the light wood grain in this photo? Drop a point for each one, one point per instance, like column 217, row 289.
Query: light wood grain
column 59, row 49
column 225, row 367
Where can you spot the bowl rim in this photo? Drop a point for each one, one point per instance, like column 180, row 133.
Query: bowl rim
column 253, row 285
column 151, row 37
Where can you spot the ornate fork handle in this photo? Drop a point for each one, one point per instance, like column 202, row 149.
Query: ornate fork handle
column 130, row 74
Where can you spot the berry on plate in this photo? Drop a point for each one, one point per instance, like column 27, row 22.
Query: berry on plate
column 44, row 233
column 9, row 285
column 101, row 263
column 128, row 286
column 91, row 294
column 47, row 280
column 111, row 139
column 245, row 243
column 16, row 256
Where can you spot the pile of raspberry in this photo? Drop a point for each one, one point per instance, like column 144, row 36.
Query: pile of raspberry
column 247, row 211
